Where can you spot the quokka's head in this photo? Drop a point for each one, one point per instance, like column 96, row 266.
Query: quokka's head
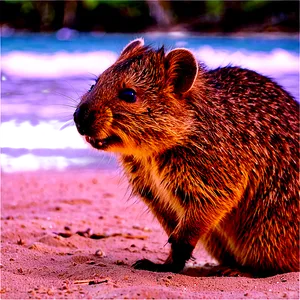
column 138, row 105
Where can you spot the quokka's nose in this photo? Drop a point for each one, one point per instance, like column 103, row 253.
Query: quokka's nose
column 84, row 119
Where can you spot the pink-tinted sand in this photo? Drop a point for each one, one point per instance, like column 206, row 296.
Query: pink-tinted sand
column 75, row 234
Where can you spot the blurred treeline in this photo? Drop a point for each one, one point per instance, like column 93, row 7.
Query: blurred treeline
column 137, row 16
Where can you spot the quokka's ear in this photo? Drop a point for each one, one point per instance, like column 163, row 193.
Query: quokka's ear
column 182, row 70
column 135, row 44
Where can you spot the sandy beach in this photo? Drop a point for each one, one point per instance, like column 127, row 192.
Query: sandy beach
column 75, row 234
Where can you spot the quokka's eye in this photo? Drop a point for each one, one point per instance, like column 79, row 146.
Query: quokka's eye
column 128, row 95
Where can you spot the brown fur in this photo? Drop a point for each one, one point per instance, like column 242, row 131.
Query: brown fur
column 214, row 154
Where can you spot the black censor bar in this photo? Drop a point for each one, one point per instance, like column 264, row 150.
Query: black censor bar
column 36, row 140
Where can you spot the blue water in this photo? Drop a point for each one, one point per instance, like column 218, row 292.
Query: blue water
column 49, row 43
column 44, row 75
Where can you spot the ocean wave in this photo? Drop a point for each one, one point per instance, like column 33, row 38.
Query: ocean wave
column 64, row 64
column 274, row 62
column 57, row 65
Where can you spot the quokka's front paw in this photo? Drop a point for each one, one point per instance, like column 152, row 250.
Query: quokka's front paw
column 145, row 264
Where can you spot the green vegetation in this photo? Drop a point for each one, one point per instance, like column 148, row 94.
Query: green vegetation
column 135, row 16
column 215, row 8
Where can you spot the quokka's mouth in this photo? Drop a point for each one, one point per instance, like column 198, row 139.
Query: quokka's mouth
column 103, row 144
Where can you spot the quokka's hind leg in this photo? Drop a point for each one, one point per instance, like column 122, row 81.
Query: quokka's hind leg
column 264, row 250
column 218, row 249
